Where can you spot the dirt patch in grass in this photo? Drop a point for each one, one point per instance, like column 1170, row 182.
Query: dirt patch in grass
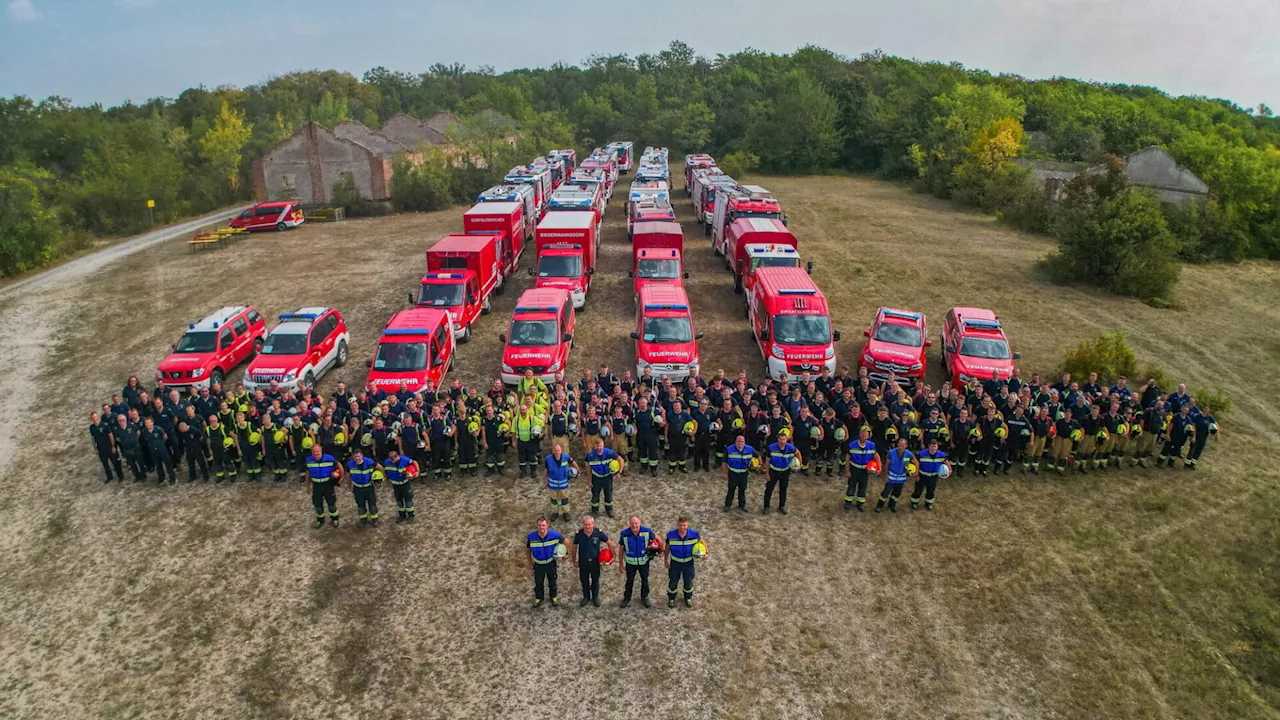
column 1128, row 594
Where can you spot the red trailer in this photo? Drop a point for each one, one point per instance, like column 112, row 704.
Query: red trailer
column 505, row 219
column 566, row 249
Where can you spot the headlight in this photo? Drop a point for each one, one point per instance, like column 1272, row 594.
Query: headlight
column 917, row 366
column 641, row 363
column 198, row 372
column 554, row 366
column 965, row 378
column 831, row 352
column 159, row 375
column 866, row 358
column 291, row 376
column 507, row 368
column 776, row 351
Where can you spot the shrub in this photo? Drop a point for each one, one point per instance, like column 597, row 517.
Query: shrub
column 1108, row 354
column 347, row 196
column 738, row 164
column 29, row 233
column 1213, row 400
column 421, row 188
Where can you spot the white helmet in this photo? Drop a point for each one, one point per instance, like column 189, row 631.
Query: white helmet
column 944, row 471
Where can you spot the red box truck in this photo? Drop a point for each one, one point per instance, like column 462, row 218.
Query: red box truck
column 505, row 219
column 757, row 234
column 566, row 249
column 462, row 274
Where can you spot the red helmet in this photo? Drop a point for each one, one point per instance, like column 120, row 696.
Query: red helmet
column 655, row 546
column 411, row 471
column 606, row 555
column 873, row 467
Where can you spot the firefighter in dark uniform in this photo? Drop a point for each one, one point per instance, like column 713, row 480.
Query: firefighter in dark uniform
column 584, row 552
column 1152, row 425
column 1205, row 425
column 1066, row 433
column 540, row 549
column 962, row 446
column 467, row 436
column 989, row 441
column 413, row 445
column 495, row 442
column 635, row 539
column 1093, row 426
column 250, row 451
column 648, row 426
column 829, row 450
column 167, row 420
column 861, row 452
column 193, row 447
column 104, row 443
column 781, row 453
column 157, row 441
column 726, row 417
column 1018, row 427
column 802, row 436
column 384, row 438
column 677, row 555
column 1181, row 430
column 324, row 473
column 600, row 460
column 220, row 449
column 128, row 442
column 677, row 439
column 401, row 485
column 442, row 432
column 360, row 470
column 737, row 469
column 275, row 441
column 1041, row 422
column 703, row 416
column 931, row 460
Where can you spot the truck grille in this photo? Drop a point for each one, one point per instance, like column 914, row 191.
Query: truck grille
column 805, row 368
column 537, row 369
column 891, row 367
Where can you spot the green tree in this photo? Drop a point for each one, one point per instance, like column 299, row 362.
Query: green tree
column 686, row 128
column 796, row 131
column 222, row 146
column 28, row 230
column 330, row 111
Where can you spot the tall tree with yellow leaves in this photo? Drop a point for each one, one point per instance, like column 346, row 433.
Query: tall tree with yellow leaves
column 222, row 147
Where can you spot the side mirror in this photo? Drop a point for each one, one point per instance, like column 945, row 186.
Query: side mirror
column 699, row 336
column 928, row 343
column 686, row 275
column 808, row 267
column 530, row 272
column 1017, row 356
column 630, row 274
column 764, row 335
column 502, row 337
column 867, row 333
column 635, row 336
column 591, row 271
column 950, row 348
column 437, row 361
column 568, row 337
column 368, row 363
column 835, row 335
column 410, row 296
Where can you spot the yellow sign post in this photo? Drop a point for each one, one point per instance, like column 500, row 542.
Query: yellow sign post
column 151, row 213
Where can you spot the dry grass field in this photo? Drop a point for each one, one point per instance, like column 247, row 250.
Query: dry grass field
column 1149, row 594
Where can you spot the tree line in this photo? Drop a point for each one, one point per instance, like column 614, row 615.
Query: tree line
column 952, row 131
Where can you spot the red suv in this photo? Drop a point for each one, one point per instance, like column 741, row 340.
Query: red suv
column 280, row 215
column 213, row 347
column 307, row 343
column 895, row 344
column 974, row 346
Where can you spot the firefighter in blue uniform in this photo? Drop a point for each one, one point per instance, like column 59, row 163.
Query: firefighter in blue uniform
column 635, row 539
column 898, row 463
column 677, row 555
column 558, row 464
column 861, row 452
column 324, row 473
column 1205, row 425
column 677, row 439
column 931, row 460
column 104, row 443
column 737, row 467
column 1181, row 430
column 540, row 549
column 647, row 429
column 360, row 469
column 599, row 460
column 401, row 485
column 781, row 453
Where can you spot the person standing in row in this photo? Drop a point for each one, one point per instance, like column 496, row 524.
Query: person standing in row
column 677, row 556
column 394, row 467
column 931, row 462
column 128, row 442
column 157, row 442
column 556, row 480
column 737, row 467
column 104, row 443
column 540, row 550
column 781, row 453
column 360, row 470
column 861, row 452
column 635, row 539
column 603, row 462
column 584, row 552
column 897, row 468
column 324, row 473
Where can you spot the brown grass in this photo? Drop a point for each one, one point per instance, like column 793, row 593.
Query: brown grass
column 1128, row 595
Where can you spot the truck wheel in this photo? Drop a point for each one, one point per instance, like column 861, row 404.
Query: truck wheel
column 309, row 381
column 466, row 336
column 217, row 376
column 342, row 354
column 281, row 226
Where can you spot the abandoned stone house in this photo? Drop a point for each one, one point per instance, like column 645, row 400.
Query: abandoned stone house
column 1150, row 168
column 307, row 165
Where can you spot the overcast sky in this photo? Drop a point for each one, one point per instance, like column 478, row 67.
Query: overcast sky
column 111, row 50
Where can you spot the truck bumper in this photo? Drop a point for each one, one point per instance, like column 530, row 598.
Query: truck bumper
column 778, row 369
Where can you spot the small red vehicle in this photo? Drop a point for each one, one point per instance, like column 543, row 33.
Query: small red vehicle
column 307, row 344
column 896, row 344
column 666, row 343
column 540, row 335
column 212, row 347
column 416, row 348
column 280, row 215
column 974, row 346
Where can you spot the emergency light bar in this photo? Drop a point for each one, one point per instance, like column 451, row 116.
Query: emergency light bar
column 535, row 309
column 982, row 324
column 666, row 307
column 443, row 276
column 298, row 316
column 797, row 291
column 902, row 315
column 406, row 331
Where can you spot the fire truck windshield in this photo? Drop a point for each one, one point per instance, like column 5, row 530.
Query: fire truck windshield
column 801, row 329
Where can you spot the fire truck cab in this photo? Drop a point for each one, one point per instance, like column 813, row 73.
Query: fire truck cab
column 540, row 335
column 791, row 324
column 666, row 343
column 416, row 348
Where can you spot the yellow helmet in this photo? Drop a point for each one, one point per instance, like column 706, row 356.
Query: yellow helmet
column 615, row 466
column 699, row 549
column 1077, row 434
column 278, row 436
column 228, row 441
column 1002, row 432
column 755, row 463
column 339, row 438
column 307, row 442
column 255, row 437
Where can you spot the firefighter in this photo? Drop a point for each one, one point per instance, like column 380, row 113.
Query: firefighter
column 1181, row 430
column 635, row 541
column 527, row 440
column 442, row 431
column 556, row 480
column 584, row 553
column 221, row 440
column 602, row 461
column 898, row 466
column 324, row 473
column 249, row 442
column 781, row 453
column 648, row 423
column 360, row 470
column 677, row 556
column 104, row 443
column 620, row 440
column 931, row 461
column 157, row 442
column 1205, row 425
column 401, row 484
column 1087, row 449
column 1117, row 433
column 729, row 419
column 468, row 432
column 593, row 428
column 678, row 435
column 494, row 438
column 1039, row 424
column 1152, row 423
column 829, row 450
column 805, row 439
column 962, row 446
column 861, row 452
column 1067, row 432
column 540, row 550
column 703, row 416
column 276, row 442
column 558, row 423
column 737, row 468
column 193, row 446
column 989, row 440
